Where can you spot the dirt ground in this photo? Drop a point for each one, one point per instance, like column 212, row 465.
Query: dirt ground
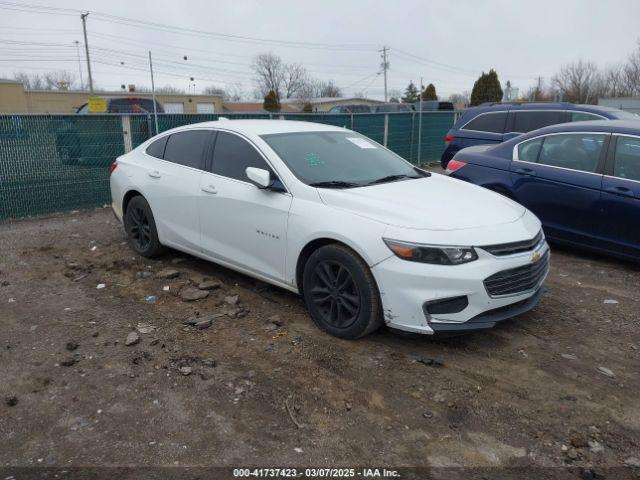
column 262, row 386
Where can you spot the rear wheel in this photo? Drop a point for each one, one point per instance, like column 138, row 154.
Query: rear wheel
column 341, row 293
column 141, row 228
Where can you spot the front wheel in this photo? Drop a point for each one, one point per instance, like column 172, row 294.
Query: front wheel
column 341, row 293
column 140, row 226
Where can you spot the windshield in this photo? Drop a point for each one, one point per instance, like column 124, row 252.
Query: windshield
column 339, row 159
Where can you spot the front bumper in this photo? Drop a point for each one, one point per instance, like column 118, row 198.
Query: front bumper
column 405, row 288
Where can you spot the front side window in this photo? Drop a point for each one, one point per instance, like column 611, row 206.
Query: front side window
column 340, row 159
column 156, row 149
column 527, row 121
column 627, row 159
column 488, row 122
column 187, row 148
column 232, row 155
column 579, row 151
column 529, row 151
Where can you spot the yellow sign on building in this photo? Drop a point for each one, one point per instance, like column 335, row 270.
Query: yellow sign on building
column 97, row 105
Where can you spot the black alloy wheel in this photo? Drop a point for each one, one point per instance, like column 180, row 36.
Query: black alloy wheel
column 335, row 293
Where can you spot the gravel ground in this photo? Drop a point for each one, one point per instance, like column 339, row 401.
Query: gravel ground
column 255, row 383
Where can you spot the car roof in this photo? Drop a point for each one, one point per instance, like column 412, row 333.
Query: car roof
column 263, row 127
column 620, row 126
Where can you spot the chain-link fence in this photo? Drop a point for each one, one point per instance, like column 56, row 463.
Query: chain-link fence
column 55, row 163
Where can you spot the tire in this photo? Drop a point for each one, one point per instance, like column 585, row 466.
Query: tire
column 140, row 228
column 341, row 293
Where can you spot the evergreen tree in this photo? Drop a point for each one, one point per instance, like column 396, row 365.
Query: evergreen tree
column 486, row 89
column 271, row 102
column 410, row 94
column 429, row 93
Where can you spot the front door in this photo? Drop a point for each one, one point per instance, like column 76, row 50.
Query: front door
column 242, row 224
column 558, row 177
column 620, row 222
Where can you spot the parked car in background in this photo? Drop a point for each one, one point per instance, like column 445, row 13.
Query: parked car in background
column 432, row 105
column 392, row 108
column 493, row 123
column 581, row 179
column 126, row 105
column 328, row 213
column 356, row 108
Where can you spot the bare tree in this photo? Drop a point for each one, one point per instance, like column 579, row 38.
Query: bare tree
column 59, row 80
column 460, row 98
column 269, row 71
column 235, row 92
column 294, row 78
column 329, row 89
column 579, row 82
column 214, row 90
column 631, row 73
column 30, row 81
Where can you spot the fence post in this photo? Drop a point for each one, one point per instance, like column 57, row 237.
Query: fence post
column 386, row 129
column 351, row 121
column 126, row 133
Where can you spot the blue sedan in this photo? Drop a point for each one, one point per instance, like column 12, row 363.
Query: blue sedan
column 581, row 179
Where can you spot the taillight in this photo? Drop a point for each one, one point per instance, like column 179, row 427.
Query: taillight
column 113, row 167
column 448, row 139
column 454, row 165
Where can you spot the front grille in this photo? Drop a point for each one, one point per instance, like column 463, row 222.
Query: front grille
column 518, row 280
column 514, row 247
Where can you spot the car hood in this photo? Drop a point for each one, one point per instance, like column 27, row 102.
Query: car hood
column 431, row 203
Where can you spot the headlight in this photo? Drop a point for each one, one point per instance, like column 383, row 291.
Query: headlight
column 435, row 254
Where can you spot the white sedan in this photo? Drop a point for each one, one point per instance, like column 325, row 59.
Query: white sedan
column 364, row 236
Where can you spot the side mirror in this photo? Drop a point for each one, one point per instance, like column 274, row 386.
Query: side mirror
column 260, row 177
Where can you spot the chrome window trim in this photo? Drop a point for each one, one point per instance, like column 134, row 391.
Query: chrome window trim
column 514, row 155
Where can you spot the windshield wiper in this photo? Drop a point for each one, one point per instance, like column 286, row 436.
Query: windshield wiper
column 393, row 178
column 334, row 184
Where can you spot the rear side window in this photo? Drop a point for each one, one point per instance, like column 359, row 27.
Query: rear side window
column 156, row 149
column 232, row 156
column 580, row 151
column 529, row 151
column 527, row 121
column 627, row 159
column 583, row 116
column 488, row 122
column 187, row 148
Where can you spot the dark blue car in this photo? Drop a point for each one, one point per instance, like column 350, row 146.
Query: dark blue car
column 581, row 179
column 498, row 122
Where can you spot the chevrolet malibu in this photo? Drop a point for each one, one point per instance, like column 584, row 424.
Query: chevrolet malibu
column 329, row 214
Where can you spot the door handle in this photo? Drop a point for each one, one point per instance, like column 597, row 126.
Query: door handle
column 526, row 171
column 624, row 191
column 209, row 189
column 155, row 174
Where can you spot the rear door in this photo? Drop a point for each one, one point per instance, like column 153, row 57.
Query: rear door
column 173, row 186
column 525, row 121
column 620, row 221
column 558, row 177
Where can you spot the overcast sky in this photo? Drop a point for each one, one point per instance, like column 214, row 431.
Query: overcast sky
column 448, row 42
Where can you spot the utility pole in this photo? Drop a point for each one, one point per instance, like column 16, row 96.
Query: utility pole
column 385, row 67
column 538, row 89
column 153, row 93
column 79, row 63
column 84, row 16
column 420, row 124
